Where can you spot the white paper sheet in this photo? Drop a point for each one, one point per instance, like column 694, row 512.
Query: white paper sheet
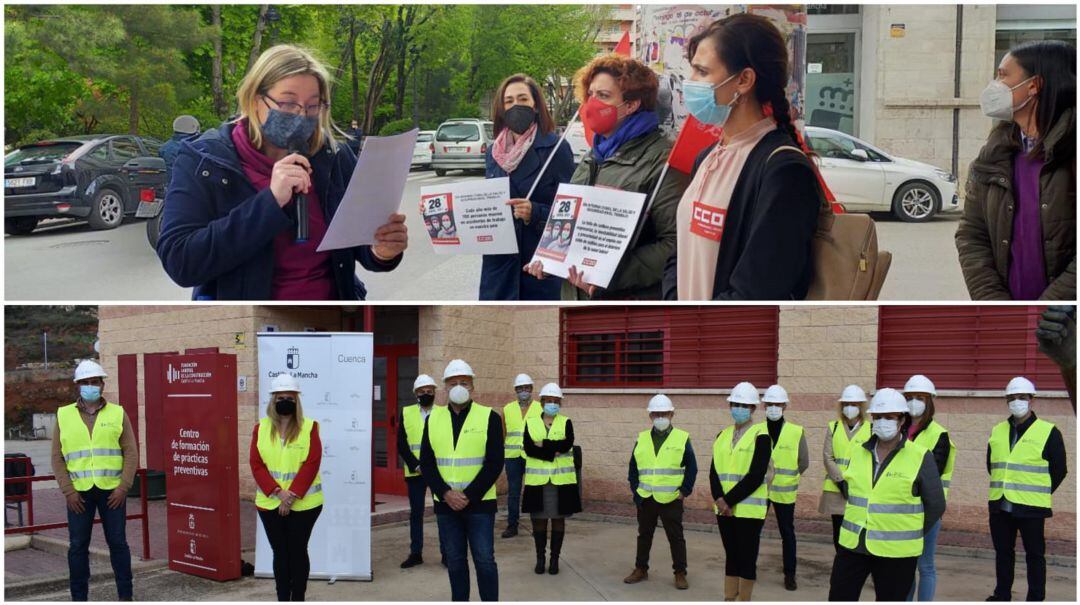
column 374, row 191
column 469, row 217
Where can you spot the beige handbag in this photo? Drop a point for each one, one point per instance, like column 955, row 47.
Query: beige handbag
column 846, row 262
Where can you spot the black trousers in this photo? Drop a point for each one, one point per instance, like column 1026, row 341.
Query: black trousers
column 671, row 514
column 785, row 522
column 288, row 538
column 1003, row 530
column 742, row 539
column 837, row 521
column 892, row 577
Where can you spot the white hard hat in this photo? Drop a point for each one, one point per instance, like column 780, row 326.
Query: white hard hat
column 522, row 380
column 457, row 367
column 284, row 383
column 888, row 400
column 661, row 403
column 853, row 393
column 550, row 390
column 775, row 394
column 920, row 384
column 423, row 380
column 1018, row 386
column 185, row 125
column 744, row 392
column 89, row 368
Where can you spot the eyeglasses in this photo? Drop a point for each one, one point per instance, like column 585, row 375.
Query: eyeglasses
column 297, row 108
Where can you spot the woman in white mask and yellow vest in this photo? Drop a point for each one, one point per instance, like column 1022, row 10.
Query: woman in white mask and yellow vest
column 285, row 456
column 849, row 427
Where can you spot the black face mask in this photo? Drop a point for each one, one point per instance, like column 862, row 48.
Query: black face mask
column 425, row 399
column 285, row 407
column 519, row 118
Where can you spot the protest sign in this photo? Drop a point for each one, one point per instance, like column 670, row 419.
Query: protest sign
column 469, row 217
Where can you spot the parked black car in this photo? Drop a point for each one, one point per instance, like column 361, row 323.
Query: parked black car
column 101, row 178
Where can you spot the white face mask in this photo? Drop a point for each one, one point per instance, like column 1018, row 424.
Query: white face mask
column 774, row 412
column 996, row 100
column 459, row 395
column 661, row 424
column 917, row 407
column 1019, row 407
column 886, row 428
column 851, row 412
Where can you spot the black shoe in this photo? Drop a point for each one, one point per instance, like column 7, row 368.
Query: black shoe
column 414, row 560
column 556, row 550
column 995, row 597
column 789, row 582
column 540, row 540
column 553, row 566
column 510, row 532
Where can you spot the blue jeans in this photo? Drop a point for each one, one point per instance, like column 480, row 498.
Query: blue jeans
column 927, row 582
column 515, row 470
column 417, row 491
column 80, row 526
column 460, row 533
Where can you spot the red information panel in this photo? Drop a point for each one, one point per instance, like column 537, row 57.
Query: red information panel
column 202, row 479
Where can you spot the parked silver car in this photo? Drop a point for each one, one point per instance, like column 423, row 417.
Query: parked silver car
column 461, row 144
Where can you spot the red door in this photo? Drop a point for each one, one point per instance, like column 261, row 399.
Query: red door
column 395, row 369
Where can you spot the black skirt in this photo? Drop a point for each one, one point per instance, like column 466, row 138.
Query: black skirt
column 532, row 499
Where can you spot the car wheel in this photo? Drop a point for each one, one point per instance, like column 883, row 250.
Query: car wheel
column 916, row 202
column 440, row 172
column 153, row 230
column 20, row 225
column 107, row 211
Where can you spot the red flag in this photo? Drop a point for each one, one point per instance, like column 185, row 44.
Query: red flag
column 623, row 47
column 693, row 137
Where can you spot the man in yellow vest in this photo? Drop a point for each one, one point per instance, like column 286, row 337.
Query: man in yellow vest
column 894, row 496
column 94, row 458
column 461, row 457
column 662, row 473
column 790, row 458
column 410, row 431
column 515, row 415
column 1026, row 461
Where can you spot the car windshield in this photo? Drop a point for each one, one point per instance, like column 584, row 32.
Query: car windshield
column 41, row 153
column 424, row 137
column 458, row 132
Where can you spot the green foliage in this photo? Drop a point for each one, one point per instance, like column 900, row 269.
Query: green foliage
column 396, row 127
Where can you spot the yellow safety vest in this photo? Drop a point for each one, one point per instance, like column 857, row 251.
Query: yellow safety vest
column 557, row 472
column 887, row 511
column 841, row 445
column 92, row 460
column 660, row 473
column 414, row 432
column 785, row 458
column 515, row 426
column 459, row 465
column 928, row 438
column 732, row 465
column 1021, row 475
column 284, row 460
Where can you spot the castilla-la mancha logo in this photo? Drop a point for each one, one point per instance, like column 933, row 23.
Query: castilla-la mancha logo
column 292, row 358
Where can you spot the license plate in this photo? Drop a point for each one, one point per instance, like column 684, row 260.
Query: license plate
column 23, row 182
column 148, row 209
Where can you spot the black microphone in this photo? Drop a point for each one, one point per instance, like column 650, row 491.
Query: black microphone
column 300, row 202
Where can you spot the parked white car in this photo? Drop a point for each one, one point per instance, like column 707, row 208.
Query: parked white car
column 867, row 179
column 425, row 147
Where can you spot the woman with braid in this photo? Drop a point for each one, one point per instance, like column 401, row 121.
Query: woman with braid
column 747, row 219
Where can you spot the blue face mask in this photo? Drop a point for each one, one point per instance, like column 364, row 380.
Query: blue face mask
column 740, row 415
column 288, row 131
column 551, row 409
column 700, row 101
column 89, row 393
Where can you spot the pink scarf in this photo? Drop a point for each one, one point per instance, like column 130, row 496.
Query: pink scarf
column 508, row 155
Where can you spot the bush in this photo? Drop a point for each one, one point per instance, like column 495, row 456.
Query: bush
column 396, row 127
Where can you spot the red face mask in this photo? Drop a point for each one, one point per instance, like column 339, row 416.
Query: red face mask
column 599, row 116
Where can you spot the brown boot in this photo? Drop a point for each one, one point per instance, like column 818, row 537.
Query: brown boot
column 731, row 588
column 638, row 575
column 680, row 580
column 746, row 588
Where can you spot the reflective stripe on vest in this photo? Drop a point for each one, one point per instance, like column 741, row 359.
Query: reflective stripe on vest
column 413, row 421
column 660, row 474
column 515, row 427
column 92, row 459
column 928, row 438
column 284, row 460
column 731, row 466
column 887, row 511
column 559, row 471
column 460, row 464
column 840, row 447
column 785, row 458
column 1021, row 475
